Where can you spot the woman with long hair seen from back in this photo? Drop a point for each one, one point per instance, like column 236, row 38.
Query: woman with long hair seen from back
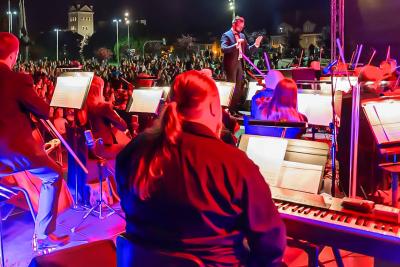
column 184, row 190
column 283, row 105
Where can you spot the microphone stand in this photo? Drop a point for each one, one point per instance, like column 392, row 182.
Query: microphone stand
column 332, row 126
column 102, row 167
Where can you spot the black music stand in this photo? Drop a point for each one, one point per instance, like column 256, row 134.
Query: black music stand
column 71, row 92
column 383, row 116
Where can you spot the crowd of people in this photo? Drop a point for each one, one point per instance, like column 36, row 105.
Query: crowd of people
column 120, row 80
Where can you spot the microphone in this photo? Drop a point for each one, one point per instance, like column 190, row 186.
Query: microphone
column 92, row 145
column 328, row 68
column 90, row 142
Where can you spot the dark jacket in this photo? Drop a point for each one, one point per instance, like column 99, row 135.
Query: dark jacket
column 17, row 101
column 231, row 53
column 209, row 199
column 101, row 119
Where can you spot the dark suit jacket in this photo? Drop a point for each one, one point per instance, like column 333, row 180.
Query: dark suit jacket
column 209, row 198
column 101, row 119
column 17, row 100
column 231, row 53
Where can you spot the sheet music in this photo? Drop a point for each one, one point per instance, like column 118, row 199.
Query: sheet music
column 268, row 154
column 388, row 112
column 392, row 131
column 71, row 91
column 225, row 90
column 310, row 176
column 253, row 88
column 384, row 118
column 317, row 108
column 165, row 89
column 342, row 83
column 145, row 101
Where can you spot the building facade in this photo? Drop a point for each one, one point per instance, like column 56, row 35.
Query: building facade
column 80, row 20
column 308, row 36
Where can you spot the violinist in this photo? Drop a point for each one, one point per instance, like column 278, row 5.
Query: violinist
column 263, row 96
column 18, row 149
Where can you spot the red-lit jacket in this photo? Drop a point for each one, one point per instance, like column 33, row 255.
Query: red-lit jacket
column 209, row 199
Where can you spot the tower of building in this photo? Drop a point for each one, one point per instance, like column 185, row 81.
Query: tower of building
column 80, row 19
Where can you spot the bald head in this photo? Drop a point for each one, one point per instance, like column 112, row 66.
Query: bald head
column 9, row 48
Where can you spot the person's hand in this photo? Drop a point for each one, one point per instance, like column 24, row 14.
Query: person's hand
column 239, row 43
column 257, row 43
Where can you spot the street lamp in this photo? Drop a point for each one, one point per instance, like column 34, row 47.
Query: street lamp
column 128, row 22
column 232, row 7
column 117, row 22
column 57, row 31
column 10, row 20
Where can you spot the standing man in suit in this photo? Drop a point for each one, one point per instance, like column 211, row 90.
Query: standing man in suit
column 18, row 149
column 233, row 44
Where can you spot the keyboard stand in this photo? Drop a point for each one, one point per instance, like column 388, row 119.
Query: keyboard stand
column 313, row 252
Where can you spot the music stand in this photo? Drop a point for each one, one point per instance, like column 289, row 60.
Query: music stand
column 165, row 90
column 290, row 159
column 225, row 90
column 317, row 106
column 383, row 117
column 71, row 92
column 145, row 101
column 253, row 88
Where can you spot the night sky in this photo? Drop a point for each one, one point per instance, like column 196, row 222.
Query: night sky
column 183, row 16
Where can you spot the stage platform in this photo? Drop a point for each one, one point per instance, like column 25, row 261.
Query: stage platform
column 18, row 230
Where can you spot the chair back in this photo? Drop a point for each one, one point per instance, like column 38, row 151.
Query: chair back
column 290, row 130
column 133, row 254
column 99, row 253
column 304, row 74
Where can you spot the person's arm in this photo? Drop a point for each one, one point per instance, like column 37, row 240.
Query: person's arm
column 251, row 49
column 266, row 233
column 114, row 118
column 226, row 47
column 30, row 100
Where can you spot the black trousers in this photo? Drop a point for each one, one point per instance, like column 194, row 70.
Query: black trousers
column 234, row 74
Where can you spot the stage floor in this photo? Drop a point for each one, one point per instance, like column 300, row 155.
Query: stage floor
column 18, row 230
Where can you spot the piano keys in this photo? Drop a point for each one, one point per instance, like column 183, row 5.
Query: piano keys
column 323, row 221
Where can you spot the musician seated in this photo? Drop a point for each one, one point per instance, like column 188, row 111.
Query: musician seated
column 19, row 151
column 99, row 117
column 229, row 122
column 261, row 97
column 181, row 192
column 104, row 121
column 283, row 105
column 388, row 68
